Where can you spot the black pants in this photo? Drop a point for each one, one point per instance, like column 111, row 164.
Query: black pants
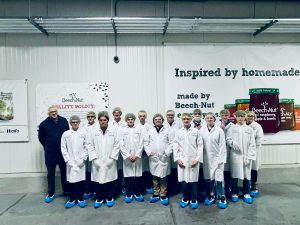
column 89, row 186
column 201, row 181
column 227, row 178
column 51, row 177
column 190, row 190
column 147, row 179
column 235, row 189
column 76, row 191
column 120, row 182
column 134, row 185
column 105, row 191
column 253, row 177
column 173, row 184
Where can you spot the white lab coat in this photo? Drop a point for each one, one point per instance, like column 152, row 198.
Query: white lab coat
column 103, row 150
column 176, row 125
column 158, row 145
column 73, row 148
column 227, row 164
column 89, row 128
column 118, row 125
column 188, row 146
column 145, row 159
column 259, row 136
column 214, row 156
column 131, row 143
column 243, row 137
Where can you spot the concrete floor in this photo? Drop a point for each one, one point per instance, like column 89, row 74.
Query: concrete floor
column 278, row 204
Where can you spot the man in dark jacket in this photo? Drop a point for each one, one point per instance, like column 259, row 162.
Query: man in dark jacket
column 50, row 132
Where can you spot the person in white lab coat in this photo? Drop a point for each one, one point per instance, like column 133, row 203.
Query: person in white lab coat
column 188, row 153
column 259, row 136
column 119, row 123
column 225, row 124
column 158, row 147
column 103, row 148
column 89, row 127
column 173, row 125
column 74, row 153
column 214, row 158
column 197, row 122
column 131, row 146
column 243, row 151
column 147, row 176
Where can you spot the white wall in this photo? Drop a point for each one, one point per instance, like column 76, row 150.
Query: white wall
column 137, row 82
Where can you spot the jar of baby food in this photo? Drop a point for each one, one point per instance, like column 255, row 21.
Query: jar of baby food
column 287, row 114
column 232, row 109
column 297, row 117
column 265, row 103
column 242, row 104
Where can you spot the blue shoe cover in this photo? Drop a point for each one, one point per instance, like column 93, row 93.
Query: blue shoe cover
column 154, row 199
column 128, row 199
column 247, row 198
column 139, row 198
column 222, row 205
column 87, row 195
column 194, row 205
column 183, row 204
column 110, row 203
column 164, row 201
column 49, row 199
column 209, row 201
column 81, row 204
column 97, row 203
column 70, row 204
column 149, row 191
column 254, row 194
column 234, row 198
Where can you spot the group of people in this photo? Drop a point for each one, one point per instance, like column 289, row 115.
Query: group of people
column 202, row 158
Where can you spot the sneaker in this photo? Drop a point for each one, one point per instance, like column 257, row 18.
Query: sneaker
column 164, row 200
column 254, row 193
column 247, row 198
column 209, row 200
column 81, row 204
column 183, row 203
column 49, row 199
column 222, row 203
column 110, row 203
column 154, row 198
column 149, row 190
column 70, row 204
column 128, row 199
column 194, row 204
column 88, row 195
column 139, row 198
column 234, row 198
column 98, row 203
column 123, row 191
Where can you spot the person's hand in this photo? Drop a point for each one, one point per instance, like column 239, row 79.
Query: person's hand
column 133, row 158
column 246, row 162
column 71, row 163
column 235, row 146
column 180, row 163
column 80, row 163
column 194, row 163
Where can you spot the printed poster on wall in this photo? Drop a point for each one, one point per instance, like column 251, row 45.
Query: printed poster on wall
column 13, row 111
column 261, row 78
column 71, row 99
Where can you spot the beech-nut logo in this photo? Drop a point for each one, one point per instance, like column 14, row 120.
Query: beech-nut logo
column 264, row 104
column 72, row 97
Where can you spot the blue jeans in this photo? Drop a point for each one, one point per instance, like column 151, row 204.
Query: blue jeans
column 215, row 187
